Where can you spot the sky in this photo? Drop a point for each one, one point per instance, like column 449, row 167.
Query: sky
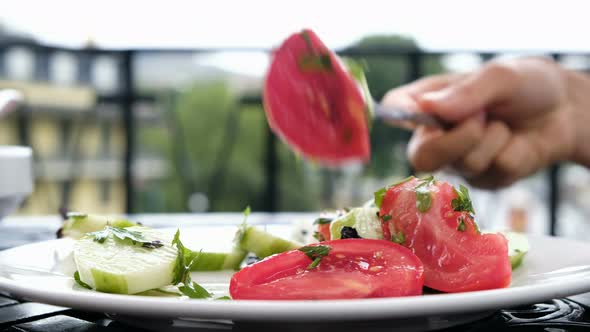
column 524, row 24
column 435, row 25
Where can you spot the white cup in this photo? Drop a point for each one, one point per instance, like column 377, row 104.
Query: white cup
column 16, row 177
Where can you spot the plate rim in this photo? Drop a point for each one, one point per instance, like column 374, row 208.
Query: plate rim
column 300, row 310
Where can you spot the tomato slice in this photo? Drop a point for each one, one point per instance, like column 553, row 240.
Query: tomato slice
column 324, row 232
column 456, row 256
column 354, row 268
column 314, row 104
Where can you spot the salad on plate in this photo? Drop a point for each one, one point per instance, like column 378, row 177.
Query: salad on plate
column 415, row 236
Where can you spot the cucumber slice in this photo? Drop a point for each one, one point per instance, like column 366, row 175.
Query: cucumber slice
column 363, row 219
column 78, row 224
column 261, row 243
column 518, row 246
column 215, row 261
column 118, row 266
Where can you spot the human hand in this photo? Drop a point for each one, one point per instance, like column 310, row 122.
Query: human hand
column 510, row 120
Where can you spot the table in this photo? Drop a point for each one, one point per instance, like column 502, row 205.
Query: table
column 16, row 315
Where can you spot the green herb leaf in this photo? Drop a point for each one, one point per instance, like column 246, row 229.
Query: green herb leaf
column 182, row 271
column 194, row 291
column 80, row 282
column 315, row 253
column 425, row 182
column 423, row 195
column 386, row 217
column 223, row 298
column 101, row 236
column 124, row 234
column 463, row 201
column 322, row 221
column 182, row 267
column 315, row 263
column 307, row 39
column 461, row 225
column 319, row 62
column 243, row 227
column 318, row 236
column 398, row 238
column 517, row 258
column 379, row 194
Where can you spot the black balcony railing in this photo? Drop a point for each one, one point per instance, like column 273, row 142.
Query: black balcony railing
column 127, row 95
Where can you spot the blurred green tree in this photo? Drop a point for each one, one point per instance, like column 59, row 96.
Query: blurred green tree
column 216, row 147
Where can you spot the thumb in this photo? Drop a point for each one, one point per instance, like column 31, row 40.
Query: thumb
column 474, row 93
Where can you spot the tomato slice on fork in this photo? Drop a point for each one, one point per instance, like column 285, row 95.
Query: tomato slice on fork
column 314, row 104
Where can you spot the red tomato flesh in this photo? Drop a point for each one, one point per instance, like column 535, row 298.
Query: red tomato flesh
column 324, row 231
column 354, row 268
column 318, row 109
column 456, row 258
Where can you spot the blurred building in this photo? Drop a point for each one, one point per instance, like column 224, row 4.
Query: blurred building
column 73, row 122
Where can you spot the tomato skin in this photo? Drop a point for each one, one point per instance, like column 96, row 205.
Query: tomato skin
column 319, row 113
column 354, row 268
column 454, row 260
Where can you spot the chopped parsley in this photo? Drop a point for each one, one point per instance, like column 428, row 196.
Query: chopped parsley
column 463, row 201
column 315, row 253
column 246, row 212
column 314, row 61
column 320, row 62
column 318, row 236
column 124, row 234
column 461, row 225
column 80, row 282
column 398, row 238
column 243, row 227
column 322, row 221
column 307, row 39
column 423, row 195
column 379, row 194
column 182, row 272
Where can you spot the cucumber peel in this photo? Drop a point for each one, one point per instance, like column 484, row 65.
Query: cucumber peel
column 215, row 261
column 78, row 224
column 261, row 243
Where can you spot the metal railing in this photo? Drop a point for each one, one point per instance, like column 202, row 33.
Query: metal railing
column 127, row 96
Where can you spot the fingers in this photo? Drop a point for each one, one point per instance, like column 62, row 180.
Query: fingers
column 516, row 160
column 430, row 149
column 405, row 96
column 481, row 157
column 472, row 94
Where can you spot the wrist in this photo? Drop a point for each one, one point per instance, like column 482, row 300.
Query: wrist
column 578, row 86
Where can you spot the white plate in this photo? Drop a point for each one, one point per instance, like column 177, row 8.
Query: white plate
column 42, row 272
